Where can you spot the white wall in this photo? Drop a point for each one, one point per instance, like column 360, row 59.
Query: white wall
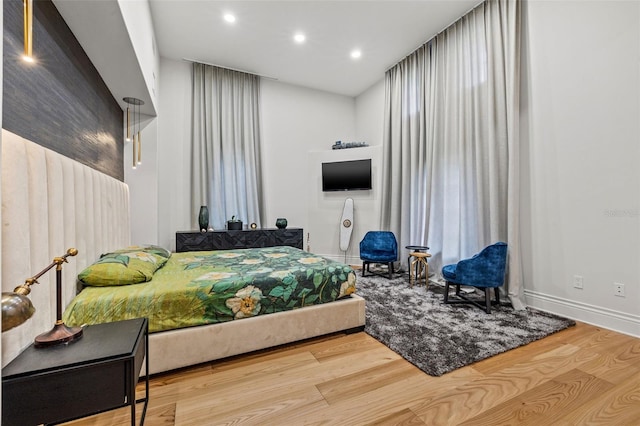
column 580, row 152
column 174, row 135
column 325, row 208
column 296, row 120
column 299, row 126
column 143, row 184
column 370, row 114
column 139, row 24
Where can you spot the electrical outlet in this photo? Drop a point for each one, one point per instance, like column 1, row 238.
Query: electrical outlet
column 618, row 289
column 577, row 281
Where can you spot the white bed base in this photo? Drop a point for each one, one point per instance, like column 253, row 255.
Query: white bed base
column 51, row 203
column 173, row 349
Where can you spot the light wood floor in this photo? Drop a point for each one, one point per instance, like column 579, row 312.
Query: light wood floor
column 581, row 376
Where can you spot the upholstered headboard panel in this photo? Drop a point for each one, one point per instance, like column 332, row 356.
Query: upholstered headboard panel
column 49, row 204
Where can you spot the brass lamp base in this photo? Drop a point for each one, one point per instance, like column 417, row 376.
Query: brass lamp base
column 60, row 333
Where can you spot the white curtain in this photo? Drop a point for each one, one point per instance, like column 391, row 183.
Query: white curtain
column 225, row 155
column 451, row 142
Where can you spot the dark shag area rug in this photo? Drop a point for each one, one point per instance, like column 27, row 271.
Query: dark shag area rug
column 439, row 338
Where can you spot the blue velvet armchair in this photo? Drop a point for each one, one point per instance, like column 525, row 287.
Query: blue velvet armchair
column 484, row 271
column 378, row 247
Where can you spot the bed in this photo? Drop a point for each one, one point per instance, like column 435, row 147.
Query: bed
column 246, row 299
column 71, row 205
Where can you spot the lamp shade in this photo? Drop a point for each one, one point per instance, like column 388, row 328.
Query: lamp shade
column 16, row 309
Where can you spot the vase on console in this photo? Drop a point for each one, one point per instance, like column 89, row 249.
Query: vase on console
column 203, row 218
column 234, row 224
column 281, row 223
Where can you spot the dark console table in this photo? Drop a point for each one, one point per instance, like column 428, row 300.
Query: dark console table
column 227, row 240
column 96, row 373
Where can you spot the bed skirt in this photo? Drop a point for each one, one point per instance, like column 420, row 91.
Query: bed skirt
column 169, row 350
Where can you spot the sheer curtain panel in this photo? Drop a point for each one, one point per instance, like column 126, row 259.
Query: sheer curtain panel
column 450, row 175
column 225, row 154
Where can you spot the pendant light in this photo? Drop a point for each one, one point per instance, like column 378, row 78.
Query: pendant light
column 128, row 124
column 136, row 146
column 138, row 134
column 27, row 6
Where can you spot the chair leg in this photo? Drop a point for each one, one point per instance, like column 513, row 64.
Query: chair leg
column 487, row 299
column 423, row 270
column 411, row 273
column 364, row 265
column 426, row 275
column 390, row 270
column 486, row 306
column 497, row 295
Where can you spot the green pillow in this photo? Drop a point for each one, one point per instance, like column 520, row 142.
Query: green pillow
column 117, row 268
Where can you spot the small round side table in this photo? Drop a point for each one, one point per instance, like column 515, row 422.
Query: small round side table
column 418, row 258
column 416, row 249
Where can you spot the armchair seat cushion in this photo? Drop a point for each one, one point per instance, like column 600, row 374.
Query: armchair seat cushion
column 379, row 257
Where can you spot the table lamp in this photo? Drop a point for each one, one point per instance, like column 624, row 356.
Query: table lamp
column 17, row 307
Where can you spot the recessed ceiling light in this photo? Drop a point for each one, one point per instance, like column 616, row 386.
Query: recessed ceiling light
column 229, row 18
column 356, row 54
column 299, row 38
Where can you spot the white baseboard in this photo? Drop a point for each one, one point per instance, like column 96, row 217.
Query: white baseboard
column 621, row 322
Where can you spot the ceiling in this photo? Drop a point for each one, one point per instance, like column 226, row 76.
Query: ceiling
column 261, row 41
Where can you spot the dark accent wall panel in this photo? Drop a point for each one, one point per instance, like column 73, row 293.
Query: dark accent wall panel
column 60, row 101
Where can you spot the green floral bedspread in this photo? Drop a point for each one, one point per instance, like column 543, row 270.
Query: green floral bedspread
column 196, row 288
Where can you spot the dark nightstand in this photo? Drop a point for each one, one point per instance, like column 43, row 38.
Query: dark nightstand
column 97, row 373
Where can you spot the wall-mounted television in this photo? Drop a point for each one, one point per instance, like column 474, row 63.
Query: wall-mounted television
column 346, row 175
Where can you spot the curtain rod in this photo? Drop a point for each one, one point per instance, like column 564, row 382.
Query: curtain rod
column 230, row 69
